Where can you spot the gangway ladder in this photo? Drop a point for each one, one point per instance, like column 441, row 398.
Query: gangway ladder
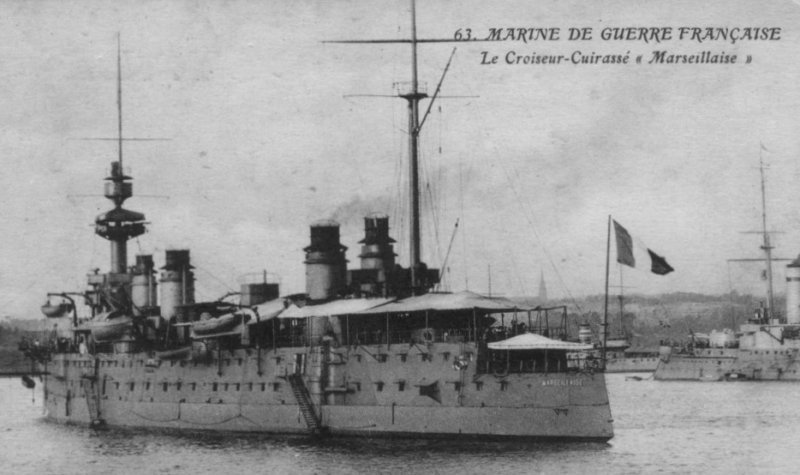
column 303, row 399
column 92, row 394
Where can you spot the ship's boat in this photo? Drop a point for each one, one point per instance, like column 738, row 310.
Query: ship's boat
column 213, row 325
column 110, row 326
column 57, row 310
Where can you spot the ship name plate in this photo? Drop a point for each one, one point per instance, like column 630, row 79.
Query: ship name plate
column 562, row 382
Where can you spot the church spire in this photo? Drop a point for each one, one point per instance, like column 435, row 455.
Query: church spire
column 542, row 288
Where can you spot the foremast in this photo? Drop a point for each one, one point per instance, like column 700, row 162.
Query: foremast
column 117, row 225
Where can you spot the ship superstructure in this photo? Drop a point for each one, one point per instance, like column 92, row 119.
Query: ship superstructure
column 766, row 348
column 363, row 351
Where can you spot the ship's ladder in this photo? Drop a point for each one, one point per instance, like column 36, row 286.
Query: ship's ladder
column 92, row 394
column 303, row 399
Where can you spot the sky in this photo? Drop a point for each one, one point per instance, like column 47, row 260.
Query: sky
column 268, row 129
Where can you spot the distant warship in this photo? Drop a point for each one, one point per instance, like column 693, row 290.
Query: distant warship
column 367, row 351
column 766, row 348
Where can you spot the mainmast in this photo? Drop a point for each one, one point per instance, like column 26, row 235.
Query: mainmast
column 420, row 279
column 413, row 97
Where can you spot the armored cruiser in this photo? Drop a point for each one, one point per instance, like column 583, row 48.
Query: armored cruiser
column 766, row 348
column 364, row 351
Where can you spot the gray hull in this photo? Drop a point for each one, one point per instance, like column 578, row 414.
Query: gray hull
column 639, row 364
column 370, row 390
column 730, row 364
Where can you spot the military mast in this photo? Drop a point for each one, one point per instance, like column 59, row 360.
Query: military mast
column 117, row 225
column 413, row 97
column 421, row 278
column 766, row 246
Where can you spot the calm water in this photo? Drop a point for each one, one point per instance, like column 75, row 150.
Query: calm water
column 661, row 427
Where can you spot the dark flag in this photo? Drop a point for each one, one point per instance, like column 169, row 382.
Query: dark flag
column 658, row 265
column 624, row 246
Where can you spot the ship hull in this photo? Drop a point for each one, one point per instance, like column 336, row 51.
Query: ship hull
column 250, row 391
column 643, row 364
column 730, row 364
column 362, row 421
column 710, row 366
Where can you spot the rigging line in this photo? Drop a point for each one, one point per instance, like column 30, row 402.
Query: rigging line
column 400, row 177
column 436, row 93
column 395, row 214
column 621, row 292
column 517, row 274
column 402, row 198
column 447, row 255
column 521, row 280
column 439, row 109
column 538, row 238
column 433, row 216
column 426, row 206
column 438, row 201
column 463, row 232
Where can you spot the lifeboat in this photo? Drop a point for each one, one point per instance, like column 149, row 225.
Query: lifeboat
column 110, row 328
column 56, row 310
column 221, row 324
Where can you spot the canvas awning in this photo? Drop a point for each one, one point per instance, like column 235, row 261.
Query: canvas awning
column 336, row 307
column 533, row 341
column 465, row 300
